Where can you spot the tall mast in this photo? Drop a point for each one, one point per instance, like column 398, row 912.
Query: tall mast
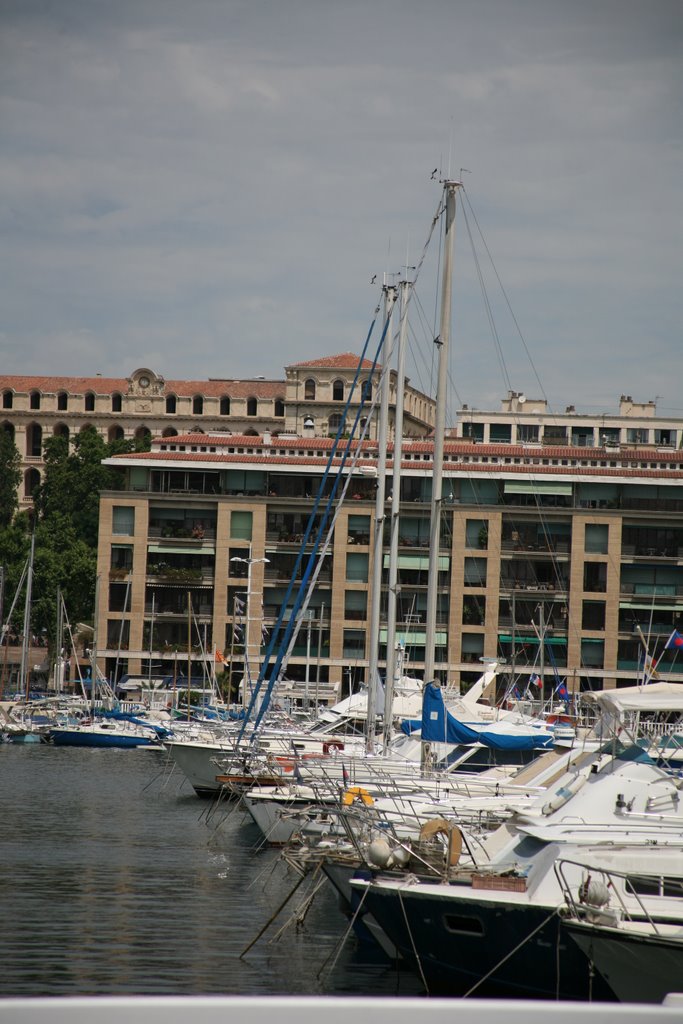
column 392, row 591
column 24, row 671
column 443, row 344
column 378, row 536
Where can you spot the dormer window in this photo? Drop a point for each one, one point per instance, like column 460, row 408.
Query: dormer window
column 89, row 401
column 252, row 407
column 170, row 404
column 225, row 405
column 279, row 409
column 197, row 405
column 34, row 400
column 62, row 401
column 116, row 402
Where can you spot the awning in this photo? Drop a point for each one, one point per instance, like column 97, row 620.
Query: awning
column 415, row 639
column 420, row 562
column 536, row 487
column 532, row 640
column 649, row 606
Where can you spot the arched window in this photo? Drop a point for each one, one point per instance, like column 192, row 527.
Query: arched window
column 335, row 422
column 170, row 403
column 337, row 390
column 34, row 400
column 142, row 434
column 34, row 440
column 115, row 434
column 279, row 409
column 309, row 390
column 197, row 405
column 170, row 432
column 89, row 401
column 252, row 407
column 251, row 432
column 366, row 390
column 31, row 481
column 61, row 430
column 62, row 401
column 225, row 405
column 116, row 402
column 7, row 399
column 8, row 428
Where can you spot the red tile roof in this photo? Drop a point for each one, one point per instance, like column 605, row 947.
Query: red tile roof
column 109, row 385
column 343, row 361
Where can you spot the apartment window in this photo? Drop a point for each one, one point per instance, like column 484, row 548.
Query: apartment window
column 356, row 605
column 62, row 401
column 354, row 643
column 593, row 653
column 595, row 577
column 34, row 440
column 596, row 538
column 527, row 433
column 241, row 525
column 475, row 572
column 357, row 567
column 121, row 557
column 123, row 520
column 593, row 615
column 477, row 533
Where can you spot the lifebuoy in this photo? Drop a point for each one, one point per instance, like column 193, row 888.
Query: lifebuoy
column 331, row 745
column 357, row 793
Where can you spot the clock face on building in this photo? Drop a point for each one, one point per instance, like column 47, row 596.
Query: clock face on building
column 143, row 382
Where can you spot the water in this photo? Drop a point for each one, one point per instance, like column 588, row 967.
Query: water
column 115, row 880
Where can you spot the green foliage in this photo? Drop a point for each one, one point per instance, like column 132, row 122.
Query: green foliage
column 10, row 478
column 66, row 526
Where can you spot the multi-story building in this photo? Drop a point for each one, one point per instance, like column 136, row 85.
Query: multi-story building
column 310, row 401
column 580, row 545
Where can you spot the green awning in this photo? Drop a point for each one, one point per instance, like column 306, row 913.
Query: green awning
column 414, row 639
column 648, row 607
column 532, row 639
column 536, row 487
column 418, row 562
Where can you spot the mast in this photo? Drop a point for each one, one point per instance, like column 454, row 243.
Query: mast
column 443, row 344
column 393, row 672
column 24, row 671
column 378, row 537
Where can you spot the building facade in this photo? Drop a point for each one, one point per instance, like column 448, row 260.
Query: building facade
column 580, row 546
column 310, row 400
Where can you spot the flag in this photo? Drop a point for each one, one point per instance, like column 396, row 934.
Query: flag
column 219, row 657
column 515, row 692
column 535, row 680
column 650, row 668
column 675, row 641
column 562, row 691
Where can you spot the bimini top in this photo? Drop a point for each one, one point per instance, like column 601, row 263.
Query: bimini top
column 652, row 697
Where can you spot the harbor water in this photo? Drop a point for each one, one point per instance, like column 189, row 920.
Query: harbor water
column 116, row 879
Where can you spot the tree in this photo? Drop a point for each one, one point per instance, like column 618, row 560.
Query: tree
column 10, row 478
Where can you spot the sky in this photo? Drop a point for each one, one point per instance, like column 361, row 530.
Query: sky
column 208, row 189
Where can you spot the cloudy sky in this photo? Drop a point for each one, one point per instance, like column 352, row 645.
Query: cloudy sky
column 208, row 188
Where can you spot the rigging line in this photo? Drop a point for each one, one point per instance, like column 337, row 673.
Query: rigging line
column 504, row 293
column 511, row 953
column 487, row 304
column 412, row 942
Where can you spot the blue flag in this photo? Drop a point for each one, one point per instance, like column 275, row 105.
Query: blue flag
column 674, row 642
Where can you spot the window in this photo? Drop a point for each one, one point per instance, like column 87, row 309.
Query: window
column 475, row 572
column 477, row 533
column 34, row 440
column 89, row 402
column 356, row 605
column 197, row 405
column 595, row 577
column 123, row 520
column 170, row 404
column 225, row 406
column 62, row 401
column 354, row 643
column 357, row 567
column 7, row 399
column 252, row 407
column 121, row 557
column 337, row 390
column 336, row 422
column 241, row 525
column 527, row 433
column 61, row 430
column 596, row 538
column 309, row 390
column 279, row 409
column 115, row 433
column 473, row 610
column 593, row 616
column 366, row 390
column 593, row 653
column 31, row 481
column 116, row 402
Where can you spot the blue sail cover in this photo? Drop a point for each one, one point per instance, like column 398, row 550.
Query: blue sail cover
column 439, row 726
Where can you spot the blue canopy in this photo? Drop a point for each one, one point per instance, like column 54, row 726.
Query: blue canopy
column 439, row 726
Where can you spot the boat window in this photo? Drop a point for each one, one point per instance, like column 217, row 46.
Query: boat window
column 462, row 924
